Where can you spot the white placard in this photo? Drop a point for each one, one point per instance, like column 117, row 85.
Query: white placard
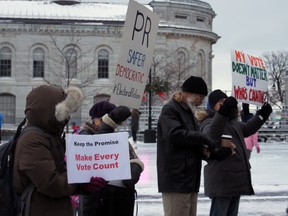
column 249, row 78
column 101, row 155
column 135, row 57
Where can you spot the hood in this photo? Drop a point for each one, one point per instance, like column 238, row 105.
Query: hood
column 50, row 107
column 201, row 115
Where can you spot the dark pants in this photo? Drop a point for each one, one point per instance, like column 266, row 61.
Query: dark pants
column 0, row 135
column 110, row 201
column 225, row 206
column 134, row 135
column 248, row 154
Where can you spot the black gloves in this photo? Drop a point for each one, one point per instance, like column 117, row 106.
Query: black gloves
column 120, row 114
column 221, row 154
column 265, row 111
column 229, row 104
column 136, row 170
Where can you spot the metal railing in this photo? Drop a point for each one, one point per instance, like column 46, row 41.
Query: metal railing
column 274, row 129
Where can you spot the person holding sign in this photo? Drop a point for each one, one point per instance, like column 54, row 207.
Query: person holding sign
column 179, row 149
column 226, row 180
column 117, row 198
column 39, row 155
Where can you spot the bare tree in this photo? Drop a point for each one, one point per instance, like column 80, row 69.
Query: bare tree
column 70, row 61
column 168, row 71
column 177, row 69
column 277, row 66
column 68, row 55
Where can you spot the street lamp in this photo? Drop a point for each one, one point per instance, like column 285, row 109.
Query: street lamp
column 150, row 134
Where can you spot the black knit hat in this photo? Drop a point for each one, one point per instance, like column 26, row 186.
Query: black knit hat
column 215, row 96
column 195, row 85
column 100, row 109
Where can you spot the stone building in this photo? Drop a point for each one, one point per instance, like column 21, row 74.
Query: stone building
column 77, row 43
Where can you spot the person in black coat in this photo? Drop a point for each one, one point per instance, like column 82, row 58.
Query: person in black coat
column 226, row 180
column 179, row 149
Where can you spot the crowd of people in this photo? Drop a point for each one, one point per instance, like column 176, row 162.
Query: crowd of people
column 186, row 135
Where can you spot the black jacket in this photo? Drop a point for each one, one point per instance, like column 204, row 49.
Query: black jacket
column 179, row 149
column 231, row 176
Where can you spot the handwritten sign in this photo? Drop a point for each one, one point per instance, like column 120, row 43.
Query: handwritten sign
column 249, row 78
column 135, row 58
column 101, row 155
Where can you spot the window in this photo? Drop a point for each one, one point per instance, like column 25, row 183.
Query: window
column 7, row 107
column 103, row 63
column 71, row 63
column 200, row 19
column 181, row 16
column 5, row 62
column 38, row 62
column 181, row 58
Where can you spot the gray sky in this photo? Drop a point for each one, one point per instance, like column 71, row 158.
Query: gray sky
column 252, row 26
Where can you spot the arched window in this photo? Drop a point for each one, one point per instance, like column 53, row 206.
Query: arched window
column 8, row 107
column 103, row 63
column 71, row 63
column 5, row 62
column 38, row 62
column 181, row 58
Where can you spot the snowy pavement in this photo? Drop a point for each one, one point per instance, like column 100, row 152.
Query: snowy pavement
column 269, row 177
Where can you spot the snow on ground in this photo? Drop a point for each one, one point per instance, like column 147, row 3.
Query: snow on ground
column 269, row 177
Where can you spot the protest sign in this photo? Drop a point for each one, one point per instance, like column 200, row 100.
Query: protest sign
column 101, row 155
column 249, row 78
column 135, row 57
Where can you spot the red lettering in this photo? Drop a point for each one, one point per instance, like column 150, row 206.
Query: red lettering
column 257, row 62
column 240, row 93
column 239, row 56
column 256, row 96
column 83, row 167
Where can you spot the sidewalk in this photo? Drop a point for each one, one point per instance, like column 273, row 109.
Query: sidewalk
column 269, row 177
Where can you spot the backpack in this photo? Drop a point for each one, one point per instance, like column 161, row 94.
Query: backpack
column 12, row 203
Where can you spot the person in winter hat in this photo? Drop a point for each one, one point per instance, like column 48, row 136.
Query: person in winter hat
column 96, row 112
column 117, row 198
column 135, row 125
column 229, row 177
column 179, row 149
column 252, row 140
column 39, row 154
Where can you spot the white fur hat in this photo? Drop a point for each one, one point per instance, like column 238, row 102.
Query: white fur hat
column 71, row 103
